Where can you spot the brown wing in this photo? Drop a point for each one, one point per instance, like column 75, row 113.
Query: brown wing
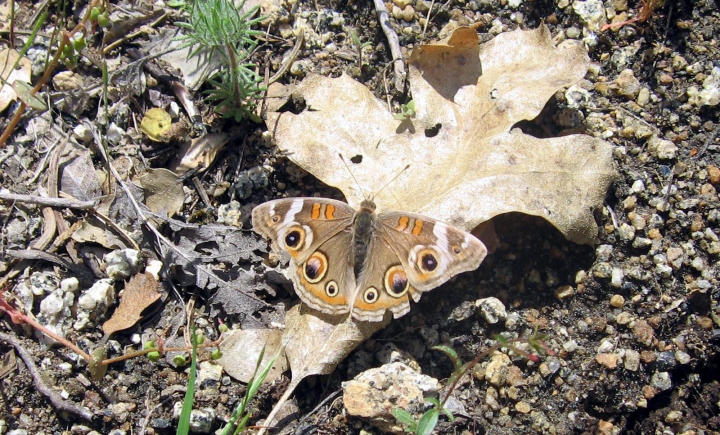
column 316, row 232
column 411, row 254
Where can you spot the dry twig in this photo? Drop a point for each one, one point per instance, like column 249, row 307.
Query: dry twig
column 49, row 202
column 58, row 402
column 393, row 42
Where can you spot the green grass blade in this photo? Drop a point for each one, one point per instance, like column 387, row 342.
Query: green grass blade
column 184, row 422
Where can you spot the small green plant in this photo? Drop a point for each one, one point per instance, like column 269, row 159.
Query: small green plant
column 218, row 27
column 358, row 46
column 184, row 422
column 240, row 417
column 427, row 422
column 407, row 111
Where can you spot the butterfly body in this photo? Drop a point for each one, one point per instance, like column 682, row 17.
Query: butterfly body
column 362, row 262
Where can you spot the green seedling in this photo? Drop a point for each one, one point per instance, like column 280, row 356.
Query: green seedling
column 184, row 421
column 427, row 422
column 407, row 111
column 219, row 27
column 238, row 422
column 180, row 360
column 359, row 46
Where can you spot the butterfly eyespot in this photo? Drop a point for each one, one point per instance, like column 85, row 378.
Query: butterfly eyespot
column 275, row 218
column 427, row 261
column 456, row 249
column 294, row 238
column 371, row 295
column 396, row 281
column 332, row 289
column 315, row 267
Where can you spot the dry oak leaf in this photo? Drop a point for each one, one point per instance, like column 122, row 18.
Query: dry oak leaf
column 140, row 292
column 476, row 166
column 311, row 343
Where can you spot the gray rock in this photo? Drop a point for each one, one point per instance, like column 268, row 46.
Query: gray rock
column 661, row 381
column 616, row 277
column 230, row 214
column 631, row 360
column 208, row 374
column 665, row 360
column 591, row 12
column 94, row 301
column 201, row 420
column 710, row 93
column 570, row 346
column 626, row 232
column 374, row 392
column 492, row 310
column 682, row 357
column 122, row 263
column 661, row 149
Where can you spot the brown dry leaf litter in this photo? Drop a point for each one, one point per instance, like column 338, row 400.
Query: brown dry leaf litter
column 476, row 166
column 140, row 292
column 9, row 76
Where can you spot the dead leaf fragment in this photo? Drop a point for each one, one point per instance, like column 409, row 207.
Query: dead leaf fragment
column 476, row 166
column 241, row 349
column 79, row 178
column 140, row 292
column 317, row 343
column 156, row 124
column 200, row 152
column 10, row 76
column 163, row 191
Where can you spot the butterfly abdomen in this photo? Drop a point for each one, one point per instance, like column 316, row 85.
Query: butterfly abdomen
column 362, row 231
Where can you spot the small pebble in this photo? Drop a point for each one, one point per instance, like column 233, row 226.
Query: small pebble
column 608, row 360
column 713, row 174
column 617, row 301
column 522, row 407
column 661, row 381
column 570, row 346
column 564, row 292
column 631, row 361
column 682, row 357
column 673, row 416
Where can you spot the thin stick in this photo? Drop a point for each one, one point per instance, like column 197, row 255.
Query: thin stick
column 6, row 195
column 58, row 402
column 393, row 42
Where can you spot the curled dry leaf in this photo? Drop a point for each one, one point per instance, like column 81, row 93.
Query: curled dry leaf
column 241, row 349
column 200, row 152
column 8, row 75
column 140, row 292
column 476, row 166
column 317, row 343
column 314, row 344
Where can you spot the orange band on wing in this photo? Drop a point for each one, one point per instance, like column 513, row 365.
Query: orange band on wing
column 315, row 211
column 329, row 211
column 402, row 223
column 417, row 228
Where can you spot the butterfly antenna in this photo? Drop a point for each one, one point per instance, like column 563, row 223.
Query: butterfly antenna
column 391, row 180
column 352, row 175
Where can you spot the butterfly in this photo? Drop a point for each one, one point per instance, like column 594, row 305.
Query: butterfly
column 361, row 262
